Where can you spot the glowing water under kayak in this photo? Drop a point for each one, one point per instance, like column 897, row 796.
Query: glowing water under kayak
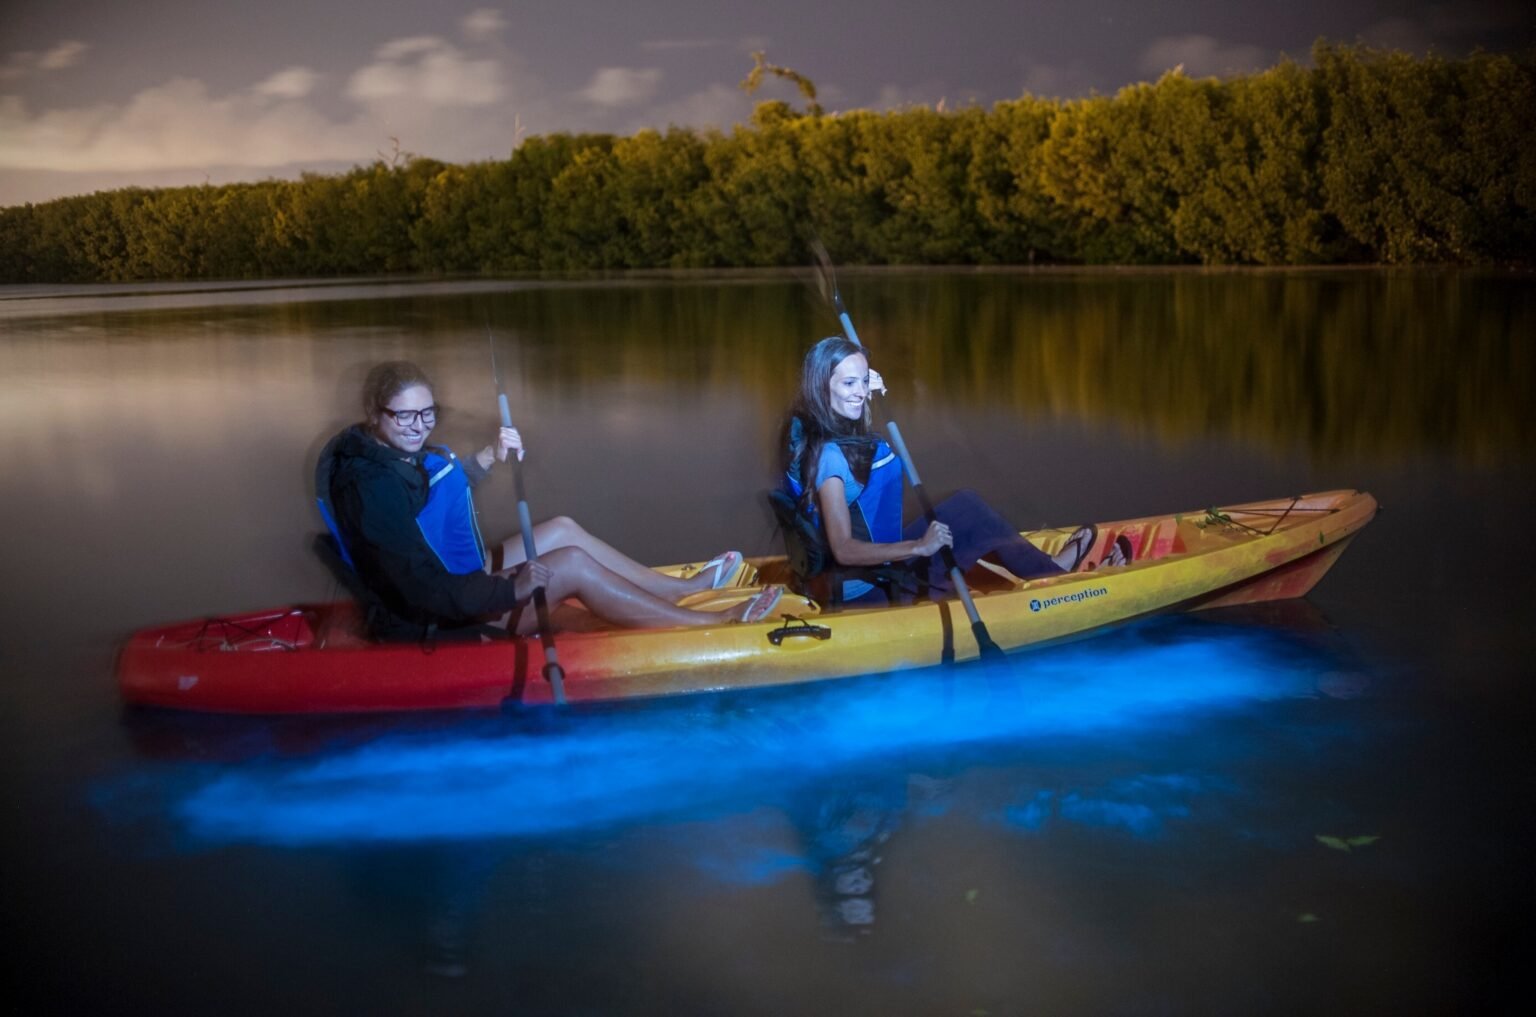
column 315, row 659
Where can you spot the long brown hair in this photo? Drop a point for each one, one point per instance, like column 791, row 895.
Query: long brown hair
column 812, row 422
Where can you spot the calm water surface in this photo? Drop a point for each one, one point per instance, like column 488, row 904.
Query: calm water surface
column 1322, row 807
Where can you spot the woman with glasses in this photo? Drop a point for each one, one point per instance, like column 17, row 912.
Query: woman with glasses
column 403, row 515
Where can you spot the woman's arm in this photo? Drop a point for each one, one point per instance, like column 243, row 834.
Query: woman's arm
column 507, row 440
column 849, row 550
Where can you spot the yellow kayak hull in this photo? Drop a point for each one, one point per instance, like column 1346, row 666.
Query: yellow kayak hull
column 1187, row 561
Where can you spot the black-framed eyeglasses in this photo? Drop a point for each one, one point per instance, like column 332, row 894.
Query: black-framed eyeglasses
column 405, row 418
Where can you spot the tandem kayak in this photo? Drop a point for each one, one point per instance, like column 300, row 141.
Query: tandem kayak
column 316, row 659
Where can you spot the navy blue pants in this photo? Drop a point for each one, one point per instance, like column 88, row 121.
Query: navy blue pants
column 979, row 531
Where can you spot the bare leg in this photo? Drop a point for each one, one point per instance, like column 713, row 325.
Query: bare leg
column 613, row 598
column 563, row 531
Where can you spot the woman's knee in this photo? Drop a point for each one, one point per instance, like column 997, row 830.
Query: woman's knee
column 963, row 502
column 572, row 559
column 560, row 531
column 570, row 570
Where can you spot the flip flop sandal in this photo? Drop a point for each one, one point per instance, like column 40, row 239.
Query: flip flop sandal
column 1123, row 544
column 725, row 566
column 1082, row 538
column 762, row 605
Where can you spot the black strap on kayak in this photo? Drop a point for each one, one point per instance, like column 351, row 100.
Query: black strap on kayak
column 1288, row 510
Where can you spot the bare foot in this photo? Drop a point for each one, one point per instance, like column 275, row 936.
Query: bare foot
column 757, row 608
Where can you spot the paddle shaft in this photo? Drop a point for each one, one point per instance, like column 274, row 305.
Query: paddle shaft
column 553, row 672
column 984, row 643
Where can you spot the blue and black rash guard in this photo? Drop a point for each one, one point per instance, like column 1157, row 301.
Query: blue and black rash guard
column 874, row 508
column 407, row 523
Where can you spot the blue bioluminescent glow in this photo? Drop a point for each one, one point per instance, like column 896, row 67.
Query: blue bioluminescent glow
column 1139, row 805
column 750, row 866
column 1136, row 817
column 479, row 781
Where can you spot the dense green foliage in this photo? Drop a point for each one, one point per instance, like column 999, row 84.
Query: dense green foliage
column 1362, row 157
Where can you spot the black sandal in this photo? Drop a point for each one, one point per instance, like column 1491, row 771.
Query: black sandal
column 1088, row 535
column 1122, row 543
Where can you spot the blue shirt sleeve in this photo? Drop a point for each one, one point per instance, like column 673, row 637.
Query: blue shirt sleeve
column 834, row 464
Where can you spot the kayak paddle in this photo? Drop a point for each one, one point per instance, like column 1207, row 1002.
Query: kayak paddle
column 553, row 672
column 827, row 279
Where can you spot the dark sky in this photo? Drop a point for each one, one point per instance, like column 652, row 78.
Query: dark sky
column 107, row 94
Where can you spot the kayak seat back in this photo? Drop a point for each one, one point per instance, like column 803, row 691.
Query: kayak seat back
column 330, row 552
column 331, row 548
column 816, row 574
column 379, row 624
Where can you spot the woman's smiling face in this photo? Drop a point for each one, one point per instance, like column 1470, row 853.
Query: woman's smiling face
column 849, row 388
column 415, row 404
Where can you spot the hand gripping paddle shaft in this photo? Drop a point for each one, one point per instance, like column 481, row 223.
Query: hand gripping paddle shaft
column 553, row 672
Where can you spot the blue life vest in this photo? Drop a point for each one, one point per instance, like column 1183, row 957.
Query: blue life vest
column 878, row 506
column 875, row 510
column 448, row 520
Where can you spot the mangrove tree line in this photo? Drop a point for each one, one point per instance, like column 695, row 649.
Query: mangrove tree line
column 1362, row 156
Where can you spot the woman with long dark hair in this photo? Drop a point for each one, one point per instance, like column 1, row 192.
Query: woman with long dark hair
column 845, row 476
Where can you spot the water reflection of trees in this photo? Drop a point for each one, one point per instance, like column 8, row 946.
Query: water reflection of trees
column 1364, row 363
column 1341, row 363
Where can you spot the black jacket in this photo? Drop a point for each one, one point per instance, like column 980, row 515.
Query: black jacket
column 375, row 493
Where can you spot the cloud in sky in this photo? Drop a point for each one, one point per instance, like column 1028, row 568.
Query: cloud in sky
column 428, row 69
column 65, row 54
column 718, row 106
column 480, row 25
column 437, row 97
column 1202, row 56
column 25, row 62
column 177, row 124
column 421, row 89
column 622, row 86
column 289, row 83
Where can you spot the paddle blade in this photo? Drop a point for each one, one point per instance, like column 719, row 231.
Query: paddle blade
column 826, row 275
